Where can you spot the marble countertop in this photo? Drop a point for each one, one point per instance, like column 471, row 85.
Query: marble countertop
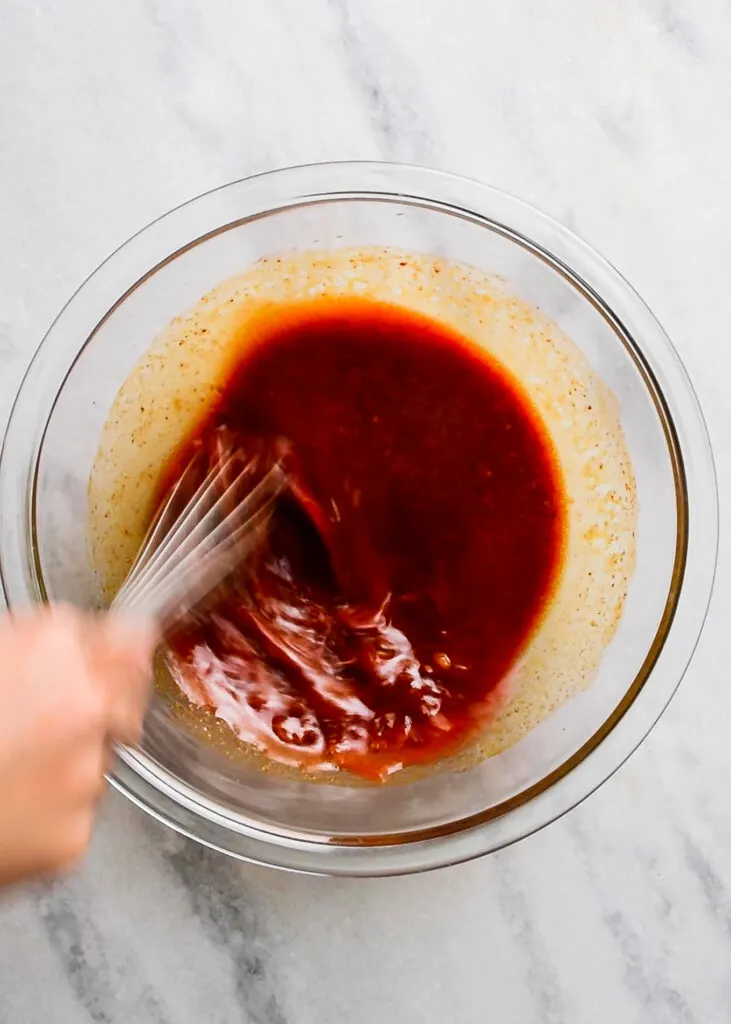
column 614, row 117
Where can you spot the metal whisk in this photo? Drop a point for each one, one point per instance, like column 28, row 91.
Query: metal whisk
column 195, row 541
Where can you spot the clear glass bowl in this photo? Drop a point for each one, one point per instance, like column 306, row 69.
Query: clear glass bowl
column 90, row 349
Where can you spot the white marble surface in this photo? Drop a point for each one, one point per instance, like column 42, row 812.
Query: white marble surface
column 615, row 116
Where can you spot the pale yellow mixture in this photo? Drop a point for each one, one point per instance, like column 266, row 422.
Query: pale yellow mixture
column 173, row 385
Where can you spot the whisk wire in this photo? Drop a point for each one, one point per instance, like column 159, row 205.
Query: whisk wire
column 193, row 544
column 168, row 546
column 171, row 511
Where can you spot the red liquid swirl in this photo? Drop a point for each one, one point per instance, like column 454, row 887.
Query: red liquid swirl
column 408, row 561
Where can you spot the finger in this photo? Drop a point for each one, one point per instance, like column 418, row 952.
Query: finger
column 126, row 724
column 119, row 659
column 130, row 638
column 128, row 691
column 121, row 652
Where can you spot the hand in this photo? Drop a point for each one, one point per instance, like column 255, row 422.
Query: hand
column 70, row 685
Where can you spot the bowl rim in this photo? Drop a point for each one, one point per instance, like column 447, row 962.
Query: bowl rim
column 189, row 224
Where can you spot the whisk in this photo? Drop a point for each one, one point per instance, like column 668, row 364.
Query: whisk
column 196, row 540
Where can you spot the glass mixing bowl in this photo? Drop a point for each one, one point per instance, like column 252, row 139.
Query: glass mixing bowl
column 444, row 818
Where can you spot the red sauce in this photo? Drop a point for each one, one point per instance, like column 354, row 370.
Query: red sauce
column 407, row 564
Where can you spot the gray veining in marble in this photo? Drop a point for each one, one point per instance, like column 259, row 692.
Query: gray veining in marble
column 612, row 116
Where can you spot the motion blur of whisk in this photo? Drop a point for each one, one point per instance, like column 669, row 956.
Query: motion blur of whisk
column 210, row 519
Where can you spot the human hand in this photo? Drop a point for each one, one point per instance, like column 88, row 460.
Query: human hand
column 70, row 685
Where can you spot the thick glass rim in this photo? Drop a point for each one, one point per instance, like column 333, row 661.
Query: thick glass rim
column 665, row 379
